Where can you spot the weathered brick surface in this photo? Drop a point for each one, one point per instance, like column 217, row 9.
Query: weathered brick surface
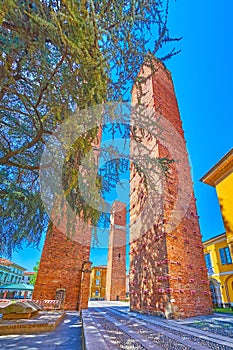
column 65, row 258
column 116, row 271
column 167, row 268
column 85, row 285
column 63, row 265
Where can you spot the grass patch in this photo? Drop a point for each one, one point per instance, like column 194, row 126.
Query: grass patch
column 224, row 310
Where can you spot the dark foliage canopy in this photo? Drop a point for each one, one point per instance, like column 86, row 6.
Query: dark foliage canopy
column 57, row 56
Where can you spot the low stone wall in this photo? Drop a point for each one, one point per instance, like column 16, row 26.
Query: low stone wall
column 91, row 337
column 35, row 325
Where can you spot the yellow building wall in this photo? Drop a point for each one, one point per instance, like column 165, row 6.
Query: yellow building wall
column 102, row 282
column 225, row 280
column 225, row 195
column 222, row 173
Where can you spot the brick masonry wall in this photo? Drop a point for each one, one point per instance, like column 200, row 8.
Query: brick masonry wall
column 65, row 261
column 167, row 268
column 85, row 285
column 116, row 271
column 61, row 266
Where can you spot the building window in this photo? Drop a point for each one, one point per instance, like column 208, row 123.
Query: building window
column 225, row 256
column 97, row 273
column 209, row 264
column 60, row 296
column 97, row 282
column 96, row 293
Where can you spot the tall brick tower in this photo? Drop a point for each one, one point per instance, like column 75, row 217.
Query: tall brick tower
column 116, row 271
column 167, row 269
column 64, row 271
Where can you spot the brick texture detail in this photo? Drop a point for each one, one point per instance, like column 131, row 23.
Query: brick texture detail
column 167, row 269
column 65, row 260
column 63, row 265
column 85, row 285
column 116, row 271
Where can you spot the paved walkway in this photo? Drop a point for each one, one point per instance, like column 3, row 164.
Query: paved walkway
column 67, row 336
column 111, row 326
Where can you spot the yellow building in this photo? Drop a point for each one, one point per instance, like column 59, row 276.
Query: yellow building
column 219, row 250
column 220, row 176
column 98, row 282
column 220, row 269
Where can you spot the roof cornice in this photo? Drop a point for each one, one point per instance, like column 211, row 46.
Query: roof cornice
column 222, row 169
column 215, row 239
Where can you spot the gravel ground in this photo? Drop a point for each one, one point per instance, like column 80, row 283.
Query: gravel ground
column 116, row 336
column 169, row 344
column 121, row 340
column 159, row 339
column 217, row 327
column 197, row 340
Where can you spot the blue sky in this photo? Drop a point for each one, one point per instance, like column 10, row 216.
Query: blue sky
column 203, row 80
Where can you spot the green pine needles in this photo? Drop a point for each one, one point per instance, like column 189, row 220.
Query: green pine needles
column 57, row 56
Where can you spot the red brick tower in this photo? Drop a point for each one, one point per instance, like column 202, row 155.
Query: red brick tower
column 167, row 268
column 64, row 268
column 116, row 271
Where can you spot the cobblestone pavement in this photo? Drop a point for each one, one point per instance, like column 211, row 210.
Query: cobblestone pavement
column 121, row 329
column 67, row 335
column 118, row 328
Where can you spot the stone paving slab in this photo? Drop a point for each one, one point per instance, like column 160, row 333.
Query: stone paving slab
column 174, row 329
column 92, row 335
column 92, row 338
column 104, row 303
column 154, row 328
column 148, row 345
column 67, row 336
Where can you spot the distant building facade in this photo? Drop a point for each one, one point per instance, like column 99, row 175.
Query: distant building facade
column 98, row 282
column 27, row 276
column 12, row 281
column 10, row 272
column 4, row 274
column 219, row 249
column 220, row 176
column 220, row 269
